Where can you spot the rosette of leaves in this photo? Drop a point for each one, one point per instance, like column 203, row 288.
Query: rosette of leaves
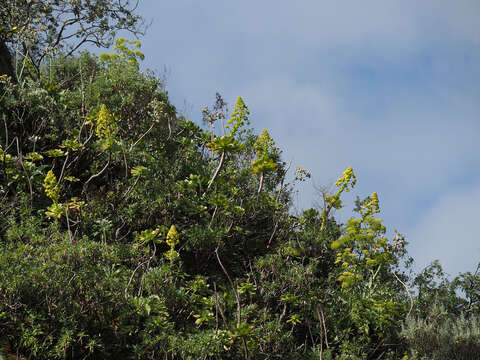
column 150, row 236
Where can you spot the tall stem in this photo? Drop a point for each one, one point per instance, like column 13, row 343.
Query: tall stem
column 220, row 164
column 260, row 185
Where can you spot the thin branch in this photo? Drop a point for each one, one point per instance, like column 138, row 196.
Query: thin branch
column 139, row 265
column 169, row 128
column 272, row 235
column 20, row 160
column 62, row 29
column 6, row 131
column 125, row 161
column 284, row 311
column 220, row 164
column 84, row 40
column 408, row 293
column 237, row 297
column 84, row 115
column 130, row 188
column 324, row 328
column 213, row 217
column 96, row 175
column 282, row 182
column 217, row 305
column 68, row 224
column 9, row 146
column 63, row 168
column 131, row 278
column 260, row 185
column 141, row 137
column 88, row 139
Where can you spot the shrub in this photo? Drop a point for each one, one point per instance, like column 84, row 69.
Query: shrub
column 442, row 336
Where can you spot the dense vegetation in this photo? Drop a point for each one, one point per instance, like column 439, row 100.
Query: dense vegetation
column 130, row 232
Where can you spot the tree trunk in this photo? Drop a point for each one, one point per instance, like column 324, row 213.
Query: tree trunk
column 6, row 66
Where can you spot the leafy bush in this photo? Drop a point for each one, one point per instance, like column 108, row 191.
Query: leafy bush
column 130, row 232
column 442, row 336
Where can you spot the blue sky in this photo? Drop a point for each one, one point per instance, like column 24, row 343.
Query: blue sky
column 391, row 88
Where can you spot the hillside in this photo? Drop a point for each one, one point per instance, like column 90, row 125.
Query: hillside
column 131, row 232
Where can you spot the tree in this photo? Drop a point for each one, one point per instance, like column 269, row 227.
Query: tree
column 6, row 67
column 33, row 29
column 446, row 322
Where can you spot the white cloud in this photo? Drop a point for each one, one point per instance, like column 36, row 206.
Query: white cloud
column 418, row 143
column 448, row 232
column 210, row 31
column 399, row 25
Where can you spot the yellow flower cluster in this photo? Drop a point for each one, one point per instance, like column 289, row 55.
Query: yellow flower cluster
column 232, row 141
column 344, row 183
column 239, row 117
column 124, row 53
column 51, row 187
column 264, row 146
column 173, row 238
column 52, row 190
column 348, row 177
column 106, row 126
column 264, row 143
column 371, row 206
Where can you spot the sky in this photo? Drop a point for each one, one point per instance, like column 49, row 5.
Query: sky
column 391, row 88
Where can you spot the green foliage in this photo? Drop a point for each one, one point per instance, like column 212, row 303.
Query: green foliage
column 231, row 142
column 123, row 237
column 444, row 323
column 75, row 215
column 124, row 53
column 43, row 28
column 442, row 336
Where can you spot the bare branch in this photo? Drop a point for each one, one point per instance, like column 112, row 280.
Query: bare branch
column 220, row 164
column 407, row 291
column 96, row 175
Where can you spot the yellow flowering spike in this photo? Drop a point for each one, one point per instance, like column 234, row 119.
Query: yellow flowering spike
column 264, row 143
column 51, row 187
column 371, row 206
column 344, row 183
column 347, row 177
column 239, row 118
column 173, row 237
column 106, row 126
column 374, row 199
column 126, row 50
